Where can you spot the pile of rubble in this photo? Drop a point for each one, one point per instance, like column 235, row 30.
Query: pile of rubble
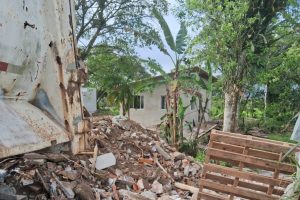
column 125, row 161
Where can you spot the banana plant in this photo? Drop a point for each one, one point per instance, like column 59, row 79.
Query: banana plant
column 181, row 115
column 178, row 48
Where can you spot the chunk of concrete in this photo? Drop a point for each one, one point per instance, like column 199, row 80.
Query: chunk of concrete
column 65, row 187
column 105, row 161
column 140, row 184
column 125, row 194
column 178, row 156
column 149, row 195
column 157, row 187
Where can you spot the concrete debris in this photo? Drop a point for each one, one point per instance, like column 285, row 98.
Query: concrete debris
column 8, row 192
column 69, row 174
column 150, row 195
column 167, row 197
column 178, row 156
column 5, row 189
column 66, row 188
column 105, row 161
column 126, row 194
column 140, row 184
column 3, row 174
column 26, row 181
column 157, row 188
column 84, row 192
column 162, row 152
column 186, row 170
column 118, row 120
column 130, row 162
column 34, row 161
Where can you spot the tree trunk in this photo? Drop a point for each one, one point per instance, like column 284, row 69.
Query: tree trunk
column 181, row 131
column 265, row 102
column 123, row 109
column 128, row 109
column 175, row 123
column 230, row 122
column 169, row 114
column 175, row 105
column 202, row 116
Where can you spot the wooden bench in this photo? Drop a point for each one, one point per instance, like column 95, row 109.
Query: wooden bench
column 245, row 166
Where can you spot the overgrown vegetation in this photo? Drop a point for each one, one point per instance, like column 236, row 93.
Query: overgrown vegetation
column 252, row 45
column 112, row 72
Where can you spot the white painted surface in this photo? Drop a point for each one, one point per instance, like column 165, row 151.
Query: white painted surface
column 152, row 112
column 39, row 86
column 89, row 99
column 105, row 161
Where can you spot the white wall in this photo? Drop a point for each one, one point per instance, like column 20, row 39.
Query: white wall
column 152, row 112
column 89, row 99
column 192, row 115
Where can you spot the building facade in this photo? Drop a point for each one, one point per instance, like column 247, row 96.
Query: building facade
column 150, row 106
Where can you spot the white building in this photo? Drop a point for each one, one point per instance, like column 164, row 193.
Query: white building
column 89, row 99
column 150, row 106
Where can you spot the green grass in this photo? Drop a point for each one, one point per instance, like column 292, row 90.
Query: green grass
column 200, row 156
column 280, row 137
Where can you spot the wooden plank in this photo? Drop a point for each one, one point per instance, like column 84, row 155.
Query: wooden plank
column 248, row 142
column 275, row 176
column 241, row 166
column 239, row 192
column 207, row 159
column 208, row 196
column 247, row 175
column 259, row 162
column 248, row 165
column 257, row 139
column 248, row 185
column 251, row 152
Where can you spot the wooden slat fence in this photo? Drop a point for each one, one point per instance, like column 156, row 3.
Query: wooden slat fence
column 245, row 166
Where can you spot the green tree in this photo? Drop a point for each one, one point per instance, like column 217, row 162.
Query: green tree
column 233, row 35
column 110, row 21
column 281, row 77
column 112, row 73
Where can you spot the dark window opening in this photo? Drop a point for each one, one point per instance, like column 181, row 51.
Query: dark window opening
column 163, row 103
column 138, row 102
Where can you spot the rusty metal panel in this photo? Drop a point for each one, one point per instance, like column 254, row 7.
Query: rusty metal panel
column 40, row 76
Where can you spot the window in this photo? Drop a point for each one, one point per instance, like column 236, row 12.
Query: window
column 193, row 104
column 138, row 102
column 163, row 102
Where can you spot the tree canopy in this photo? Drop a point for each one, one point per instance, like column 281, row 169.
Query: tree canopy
column 234, row 35
column 112, row 22
column 112, row 72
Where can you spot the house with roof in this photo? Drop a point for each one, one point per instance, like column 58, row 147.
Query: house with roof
column 148, row 107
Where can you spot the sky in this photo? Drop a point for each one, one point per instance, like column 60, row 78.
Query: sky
column 154, row 53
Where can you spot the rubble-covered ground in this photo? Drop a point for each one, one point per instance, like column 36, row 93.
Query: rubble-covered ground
column 124, row 161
